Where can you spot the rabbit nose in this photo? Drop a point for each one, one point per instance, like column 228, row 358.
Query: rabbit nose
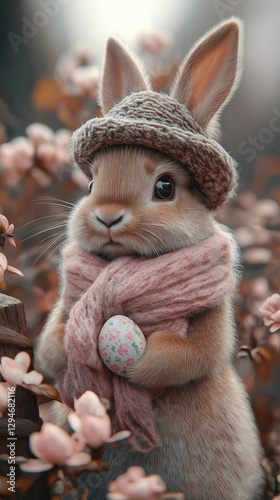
column 109, row 220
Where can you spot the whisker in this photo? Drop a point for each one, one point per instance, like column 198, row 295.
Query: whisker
column 57, row 247
column 142, row 236
column 57, row 241
column 50, row 237
column 42, row 218
column 49, row 198
column 152, row 233
column 157, row 224
column 51, row 228
column 47, row 225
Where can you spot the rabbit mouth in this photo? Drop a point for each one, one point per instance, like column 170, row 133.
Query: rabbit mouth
column 113, row 243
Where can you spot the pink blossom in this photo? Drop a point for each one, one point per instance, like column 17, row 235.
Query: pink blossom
column 90, row 420
column 6, row 231
column 17, row 157
column 271, row 312
column 3, row 267
column 52, row 156
column 86, row 80
column 54, row 446
column 134, row 485
column 23, row 153
column 123, row 349
column 89, row 404
column 38, row 133
column 15, row 370
column 154, row 42
column 62, row 137
column 8, row 228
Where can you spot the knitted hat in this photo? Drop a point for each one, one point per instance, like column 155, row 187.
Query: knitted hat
column 158, row 121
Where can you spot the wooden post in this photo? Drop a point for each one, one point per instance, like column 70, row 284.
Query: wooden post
column 13, row 339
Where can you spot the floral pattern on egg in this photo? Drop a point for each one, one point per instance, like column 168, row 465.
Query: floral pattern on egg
column 121, row 344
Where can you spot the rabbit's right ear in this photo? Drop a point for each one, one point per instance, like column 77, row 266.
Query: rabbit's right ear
column 121, row 76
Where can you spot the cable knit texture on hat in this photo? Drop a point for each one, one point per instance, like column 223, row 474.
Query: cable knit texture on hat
column 160, row 122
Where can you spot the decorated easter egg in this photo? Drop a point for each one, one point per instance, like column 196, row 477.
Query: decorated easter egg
column 121, row 344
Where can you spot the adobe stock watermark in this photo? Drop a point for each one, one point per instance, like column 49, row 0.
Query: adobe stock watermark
column 265, row 136
column 11, row 444
column 224, row 8
column 30, row 27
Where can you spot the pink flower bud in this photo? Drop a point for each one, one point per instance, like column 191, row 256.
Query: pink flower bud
column 38, row 133
column 86, row 80
column 271, row 312
column 96, row 430
column 134, row 485
column 62, row 137
column 154, row 42
column 24, row 152
column 89, row 404
column 52, row 444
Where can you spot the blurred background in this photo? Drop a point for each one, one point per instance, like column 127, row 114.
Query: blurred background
column 51, row 51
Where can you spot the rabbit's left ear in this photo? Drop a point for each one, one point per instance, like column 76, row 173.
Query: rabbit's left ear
column 208, row 76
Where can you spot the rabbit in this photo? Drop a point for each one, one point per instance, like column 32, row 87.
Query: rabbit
column 143, row 203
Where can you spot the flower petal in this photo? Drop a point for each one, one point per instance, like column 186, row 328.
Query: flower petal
column 12, row 241
column 52, row 444
column 89, row 403
column 144, row 488
column 4, row 221
column 276, row 316
column 24, row 360
column 14, row 270
column 119, row 436
column 274, row 327
column 80, row 458
column 38, row 133
column 33, row 377
column 271, row 305
column 11, row 371
column 96, row 430
column 79, row 442
column 267, row 321
column 75, row 421
column 35, row 465
column 3, row 261
column 116, row 496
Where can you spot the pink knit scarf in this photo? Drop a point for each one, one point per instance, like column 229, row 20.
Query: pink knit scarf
column 158, row 293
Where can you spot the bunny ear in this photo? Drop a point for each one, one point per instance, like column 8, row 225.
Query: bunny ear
column 121, row 75
column 209, row 75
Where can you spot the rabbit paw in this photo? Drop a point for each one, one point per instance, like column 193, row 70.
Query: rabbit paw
column 50, row 354
column 155, row 369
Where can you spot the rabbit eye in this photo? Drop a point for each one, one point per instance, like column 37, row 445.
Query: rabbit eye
column 90, row 186
column 164, row 189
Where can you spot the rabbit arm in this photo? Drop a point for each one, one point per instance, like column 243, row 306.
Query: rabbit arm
column 50, row 352
column 171, row 360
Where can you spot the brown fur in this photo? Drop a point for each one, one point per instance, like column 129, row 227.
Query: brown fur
column 210, row 447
